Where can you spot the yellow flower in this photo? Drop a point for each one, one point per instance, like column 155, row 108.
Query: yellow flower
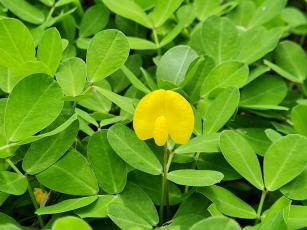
column 41, row 196
column 163, row 113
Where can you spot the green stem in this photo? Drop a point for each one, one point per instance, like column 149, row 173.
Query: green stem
column 260, row 206
column 7, row 146
column 31, row 194
column 13, row 166
column 196, row 156
column 155, row 35
column 167, row 158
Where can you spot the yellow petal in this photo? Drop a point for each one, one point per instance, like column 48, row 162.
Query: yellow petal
column 180, row 117
column 147, row 111
column 160, row 131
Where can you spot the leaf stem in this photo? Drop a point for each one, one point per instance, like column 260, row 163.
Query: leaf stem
column 167, row 159
column 31, row 194
column 13, row 166
column 155, row 36
column 260, row 206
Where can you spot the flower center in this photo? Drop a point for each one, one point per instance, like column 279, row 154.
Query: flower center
column 160, row 131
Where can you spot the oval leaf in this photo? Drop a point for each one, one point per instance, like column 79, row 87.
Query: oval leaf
column 229, row 74
column 137, row 200
column 66, row 205
column 98, row 209
column 132, row 150
column 220, row 110
column 45, row 152
column 174, row 64
column 34, row 103
column 241, row 156
column 109, row 168
column 228, row 203
column 125, row 218
column 191, row 177
column 70, row 175
column 208, row 143
column 13, row 183
column 285, row 159
column 70, row 222
column 216, row 222
column 107, row 52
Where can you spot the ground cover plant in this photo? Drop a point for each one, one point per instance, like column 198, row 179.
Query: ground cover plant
column 153, row 114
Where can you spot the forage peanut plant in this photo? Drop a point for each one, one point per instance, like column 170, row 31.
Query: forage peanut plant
column 153, row 114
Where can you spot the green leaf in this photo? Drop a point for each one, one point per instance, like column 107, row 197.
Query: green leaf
column 266, row 11
column 109, row 169
column 66, row 205
column 70, row 175
column 282, row 72
column 97, row 209
column 273, row 222
column 153, row 187
column 206, row 8
column 256, row 43
column 9, row 223
column 284, row 160
column 125, row 218
column 163, row 10
column 297, row 217
column 131, row 10
column 265, row 90
column 243, row 13
column 34, row 103
column 217, row 162
column 196, row 80
column 208, row 143
column 220, row 110
column 195, row 204
column 94, row 100
column 134, row 198
column 297, row 188
column 298, row 117
column 57, row 130
column 228, row 203
column 132, row 150
column 173, row 33
column 174, row 64
column 257, row 139
column 141, row 44
column 184, row 221
column 70, row 222
column 122, row 102
column 278, row 206
column 71, row 76
column 228, row 74
column 220, row 39
column 240, row 155
column 191, row 177
column 16, row 43
column 138, row 84
column 285, row 55
column 107, row 52
column 50, row 49
column 94, row 19
column 217, row 222
column 45, row 152
column 13, row 183
column 25, row 11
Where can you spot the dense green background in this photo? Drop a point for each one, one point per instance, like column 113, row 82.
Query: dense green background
column 72, row 72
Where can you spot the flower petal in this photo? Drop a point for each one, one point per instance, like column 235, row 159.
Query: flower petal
column 180, row 117
column 147, row 111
